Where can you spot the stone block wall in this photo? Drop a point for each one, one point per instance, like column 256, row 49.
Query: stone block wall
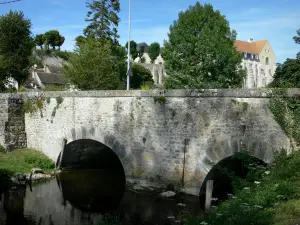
column 153, row 131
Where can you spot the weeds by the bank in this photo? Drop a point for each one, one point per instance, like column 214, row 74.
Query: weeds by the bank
column 272, row 198
column 23, row 160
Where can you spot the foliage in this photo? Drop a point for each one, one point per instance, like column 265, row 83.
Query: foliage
column 286, row 112
column 103, row 20
column 2, row 149
column 140, row 75
column 143, row 59
column 54, row 88
column 160, row 99
column 39, row 40
column 16, row 46
column 53, row 38
column 200, row 52
column 153, row 51
column 287, row 75
column 65, row 55
column 268, row 195
column 147, row 85
column 33, row 104
column 141, row 51
column 133, row 50
column 59, row 100
column 80, row 40
column 23, row 160
column 297, row 38
column 93, row 67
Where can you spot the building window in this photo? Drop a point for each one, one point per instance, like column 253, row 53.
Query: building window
column 248, row 55
column 267, row 61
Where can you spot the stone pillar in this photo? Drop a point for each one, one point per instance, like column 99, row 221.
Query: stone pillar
column 15, row 136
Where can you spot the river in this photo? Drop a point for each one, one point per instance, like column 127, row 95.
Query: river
column 92, row 197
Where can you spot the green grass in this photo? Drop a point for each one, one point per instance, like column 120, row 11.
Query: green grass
column 23, row 160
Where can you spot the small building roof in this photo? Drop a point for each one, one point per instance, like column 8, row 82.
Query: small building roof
column 51, row 78
column 54, row 69
column 250, row 47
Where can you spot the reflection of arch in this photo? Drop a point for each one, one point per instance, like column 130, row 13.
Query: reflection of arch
column 93, row 176
column 267, row 61
column 237, row 163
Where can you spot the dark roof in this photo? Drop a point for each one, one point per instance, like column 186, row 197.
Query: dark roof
column 142, row 44
column 51, row 78
column 54, row 69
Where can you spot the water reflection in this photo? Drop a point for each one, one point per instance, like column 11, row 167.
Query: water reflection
column 89, row 198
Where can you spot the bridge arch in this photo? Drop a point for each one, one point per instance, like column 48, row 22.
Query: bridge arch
column 236, row 164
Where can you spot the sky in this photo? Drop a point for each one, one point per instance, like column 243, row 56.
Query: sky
column 273, row 20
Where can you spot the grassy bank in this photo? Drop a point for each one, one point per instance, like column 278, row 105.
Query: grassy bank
column 269, row 195
column 21, row 161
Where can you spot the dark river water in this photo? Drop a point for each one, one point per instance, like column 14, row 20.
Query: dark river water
column 92, row 197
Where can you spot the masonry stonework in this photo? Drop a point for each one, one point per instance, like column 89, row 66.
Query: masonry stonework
column 153, row 131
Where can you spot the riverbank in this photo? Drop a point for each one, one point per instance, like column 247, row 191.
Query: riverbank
column 19, row 163
column 268, row 195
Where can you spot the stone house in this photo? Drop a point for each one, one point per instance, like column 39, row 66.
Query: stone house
column 259, row 61
column 49, row 75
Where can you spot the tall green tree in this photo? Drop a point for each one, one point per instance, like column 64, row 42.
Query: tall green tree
column 52, row 38
column 80, row 40
column 103, row 20
column 93, row 67
column 154, row 51
column 60, row 41
column 133, row 50
column 141, row 51
column 200, row 52
column 16, row 45
column 39, row 40
column 287, row 75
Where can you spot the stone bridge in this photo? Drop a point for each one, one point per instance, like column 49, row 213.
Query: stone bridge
column 160, row 137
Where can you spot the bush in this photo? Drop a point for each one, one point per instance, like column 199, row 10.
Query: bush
column 2, row 149
column 140, row 76
column 268, row 191
column 39, row 162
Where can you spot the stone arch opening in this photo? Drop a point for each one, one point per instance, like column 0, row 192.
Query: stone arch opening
column 92, row 177
column 233, row 166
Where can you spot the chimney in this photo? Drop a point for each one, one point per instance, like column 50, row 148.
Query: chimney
column 250, row 40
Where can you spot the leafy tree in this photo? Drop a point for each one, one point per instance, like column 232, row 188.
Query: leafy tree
column 133, row 50
column 140, row 75
column 141, row 51
column 52, row 38
column 60, row 41
column 80, row 40
column 297, row 38
column 153, row 51
column 16, row 46
column 39, row 40
column 200, row 52
column 287, row 75
column 93, row 67
column 103, row 20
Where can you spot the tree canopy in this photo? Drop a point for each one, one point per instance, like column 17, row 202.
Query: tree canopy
column 140, row 76
column 154, row 51
column 51, row 37
column 93, row 67
column 103, row 20
column 16, row 46
column 133, row 50
column 200, row 52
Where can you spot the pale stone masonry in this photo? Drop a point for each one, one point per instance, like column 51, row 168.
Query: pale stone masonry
column 149, row 130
